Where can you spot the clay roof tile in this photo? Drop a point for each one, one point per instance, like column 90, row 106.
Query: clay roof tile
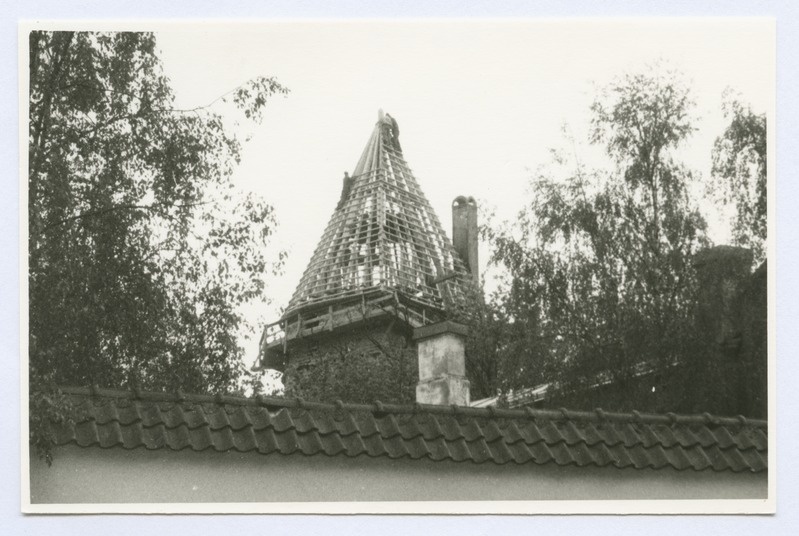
column 115, row 419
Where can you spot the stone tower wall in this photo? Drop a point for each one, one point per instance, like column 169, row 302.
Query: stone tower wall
column 363, row 364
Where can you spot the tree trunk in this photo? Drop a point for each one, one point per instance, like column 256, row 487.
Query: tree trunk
column 49, row 90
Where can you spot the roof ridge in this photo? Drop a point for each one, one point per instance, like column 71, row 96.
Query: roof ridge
column 597, row 415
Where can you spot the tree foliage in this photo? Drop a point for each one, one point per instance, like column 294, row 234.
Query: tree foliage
column 485, row 326
column 739, row 173
column 601, row 289
column 368, row 363
column 140, row 249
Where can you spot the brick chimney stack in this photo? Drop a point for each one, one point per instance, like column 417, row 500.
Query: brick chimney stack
column 442, row 364
column 464, row 233
column 723, row 272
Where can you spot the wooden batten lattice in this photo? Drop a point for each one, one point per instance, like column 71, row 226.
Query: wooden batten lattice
column 383, row 239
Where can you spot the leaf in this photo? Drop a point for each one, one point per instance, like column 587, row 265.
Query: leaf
column 140, row 250
column 600, row 280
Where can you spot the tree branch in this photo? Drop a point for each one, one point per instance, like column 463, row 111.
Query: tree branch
column 39, row 132
column 100, row 212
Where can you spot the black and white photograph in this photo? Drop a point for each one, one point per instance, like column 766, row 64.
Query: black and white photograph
column 424, row 266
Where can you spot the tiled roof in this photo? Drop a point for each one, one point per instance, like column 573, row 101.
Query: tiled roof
column 130, row 420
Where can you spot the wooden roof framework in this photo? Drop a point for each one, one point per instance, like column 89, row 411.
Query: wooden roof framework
column 383, row 240
column 385, row 235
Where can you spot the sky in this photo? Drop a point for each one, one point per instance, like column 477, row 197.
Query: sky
column 479, row 104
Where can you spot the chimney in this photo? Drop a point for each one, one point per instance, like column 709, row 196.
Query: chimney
column 442, row 364
column 464, row 233
column 722, row 273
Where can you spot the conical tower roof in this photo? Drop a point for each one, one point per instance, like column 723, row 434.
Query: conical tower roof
column 383, row 235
